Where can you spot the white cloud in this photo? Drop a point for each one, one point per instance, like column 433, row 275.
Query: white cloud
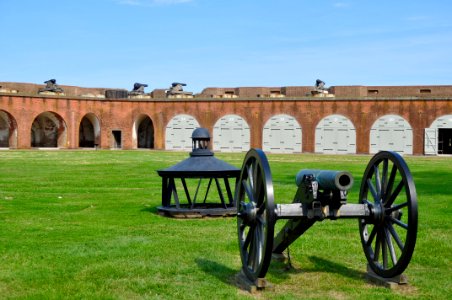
column 151, row 2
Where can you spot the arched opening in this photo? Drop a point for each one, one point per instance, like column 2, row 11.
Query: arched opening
column 89, row 132
column 282, row 134
column 143, row 132
column 335, row 134
column 438, row 138
column 48, row 131
column 393, row 133
column 231, row 133
column 8, row 130
column 178, row 132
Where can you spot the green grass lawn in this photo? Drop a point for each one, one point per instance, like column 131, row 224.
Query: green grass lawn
column 83, row 224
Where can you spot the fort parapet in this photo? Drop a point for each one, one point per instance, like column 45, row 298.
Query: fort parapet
column 356, row 119
column 254, row 92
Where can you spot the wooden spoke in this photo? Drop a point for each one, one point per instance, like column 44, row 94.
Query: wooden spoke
column 384, row 179
column 377, row 182
column 390, row 246
column 372, row 190
column 376, row 256
column 248, row 238
column 248, row 191
column 396, row 207
column 395, row 194
column 371, row 236
column 249, row 169
column 400, row 223
column 384, row 249
column 390, row 182
column 395, row 236
column 259, row 187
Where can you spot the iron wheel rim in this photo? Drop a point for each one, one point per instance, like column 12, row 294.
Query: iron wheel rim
column 255, row 214
column 388, row 236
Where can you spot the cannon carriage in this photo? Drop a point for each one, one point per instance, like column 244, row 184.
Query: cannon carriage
column 386, row 212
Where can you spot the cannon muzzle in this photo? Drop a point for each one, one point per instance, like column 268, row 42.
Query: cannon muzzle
column 327, row 180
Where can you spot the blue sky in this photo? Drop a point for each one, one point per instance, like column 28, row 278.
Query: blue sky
column 216, row 43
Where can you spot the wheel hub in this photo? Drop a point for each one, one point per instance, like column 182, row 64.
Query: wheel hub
column 378, row 213
column 248, row 213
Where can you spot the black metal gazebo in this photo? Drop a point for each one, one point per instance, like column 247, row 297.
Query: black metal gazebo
column 200, row 165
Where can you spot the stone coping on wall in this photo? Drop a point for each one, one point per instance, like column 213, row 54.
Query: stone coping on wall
column 285, row 92
column 238, row 99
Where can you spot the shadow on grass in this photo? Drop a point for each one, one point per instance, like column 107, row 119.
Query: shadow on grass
column 279, row 270
column 282, row 270
column 323, row 265
column 220, row 271
column 233, row 277
column 150, row 209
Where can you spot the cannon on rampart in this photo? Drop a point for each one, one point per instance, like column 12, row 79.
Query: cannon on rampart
column 387, row 212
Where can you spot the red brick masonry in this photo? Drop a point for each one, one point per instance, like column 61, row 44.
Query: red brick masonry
column 419, row 105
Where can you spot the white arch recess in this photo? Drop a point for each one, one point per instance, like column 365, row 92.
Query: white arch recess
column 49, row 131
column 437, row 138
column 282, row 134
column 391, row 132
column 335, row 134
column 8, row 130
column 93, row 137
column 178, row 132
column 231, row 133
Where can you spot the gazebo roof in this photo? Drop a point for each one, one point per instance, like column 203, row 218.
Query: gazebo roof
column 200, row 133
column 201, row 162
column 200, row 166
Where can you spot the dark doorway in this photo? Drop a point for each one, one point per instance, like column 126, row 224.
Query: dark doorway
column 48, row 130
column 116, row 139
column 8, row 130
column 4, row 132
column 86, row 134
column 146, row 134
column 444, row 140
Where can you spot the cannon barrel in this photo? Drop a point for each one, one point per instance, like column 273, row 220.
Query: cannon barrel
column 328, row 180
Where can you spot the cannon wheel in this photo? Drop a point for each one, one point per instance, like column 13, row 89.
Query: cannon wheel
column 388, row 236
column 255, row 214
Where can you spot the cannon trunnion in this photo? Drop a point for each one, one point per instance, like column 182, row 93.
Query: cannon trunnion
column 387, row 211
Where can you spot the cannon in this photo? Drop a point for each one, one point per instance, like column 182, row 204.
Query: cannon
column 138, row 89
column 386, row 212
column 51, row 86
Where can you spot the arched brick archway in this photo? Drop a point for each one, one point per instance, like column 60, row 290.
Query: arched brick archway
column 8, row 130
column 49, row 130
column 143, row 132
column 89, row 131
